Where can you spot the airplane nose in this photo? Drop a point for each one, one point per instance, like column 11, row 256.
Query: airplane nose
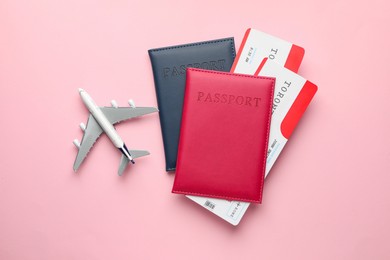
column 80, row 89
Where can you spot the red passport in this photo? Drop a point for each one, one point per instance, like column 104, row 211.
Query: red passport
column 224, row 135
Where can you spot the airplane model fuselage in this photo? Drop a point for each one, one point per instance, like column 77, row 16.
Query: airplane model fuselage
column 103, row 122
column 102, row 119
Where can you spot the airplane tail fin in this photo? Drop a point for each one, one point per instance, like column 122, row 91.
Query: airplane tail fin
column 125, row 161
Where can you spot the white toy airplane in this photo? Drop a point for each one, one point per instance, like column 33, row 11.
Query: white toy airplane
column 103, row 119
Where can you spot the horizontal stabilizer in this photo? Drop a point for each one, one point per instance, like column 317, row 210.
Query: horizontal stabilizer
column 124, row 161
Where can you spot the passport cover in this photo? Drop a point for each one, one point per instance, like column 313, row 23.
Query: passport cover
column 224, row 135
column 169, row 68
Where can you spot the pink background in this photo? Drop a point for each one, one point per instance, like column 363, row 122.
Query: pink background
column 327, row 197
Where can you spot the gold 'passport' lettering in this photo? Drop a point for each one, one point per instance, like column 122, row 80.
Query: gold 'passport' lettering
column 224, row 98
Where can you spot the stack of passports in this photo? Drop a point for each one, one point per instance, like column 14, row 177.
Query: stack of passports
column 215, row 124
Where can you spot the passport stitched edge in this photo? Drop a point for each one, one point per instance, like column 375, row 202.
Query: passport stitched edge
column 196, row 44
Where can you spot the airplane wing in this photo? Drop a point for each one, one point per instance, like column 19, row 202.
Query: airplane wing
column 116, row 115
column 91, row 134
column 124, row 161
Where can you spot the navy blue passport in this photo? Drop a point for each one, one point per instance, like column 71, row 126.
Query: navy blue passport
column 169, row 69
